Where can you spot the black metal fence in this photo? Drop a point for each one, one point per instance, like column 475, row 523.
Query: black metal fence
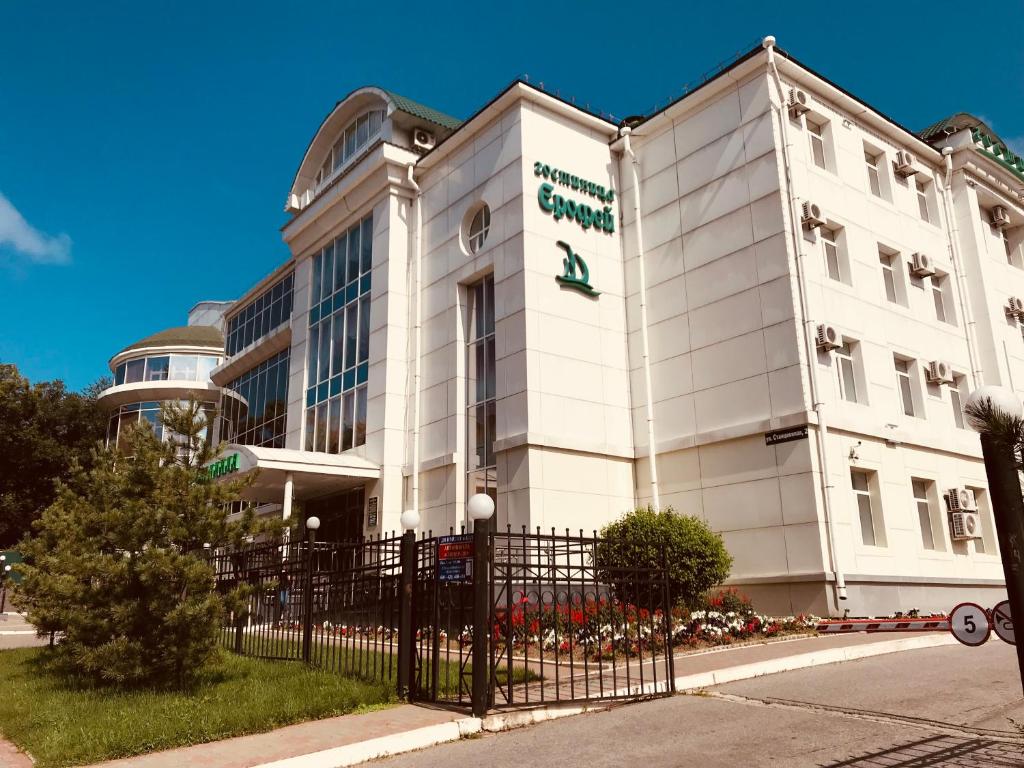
column 488, row 619
column 332, row 605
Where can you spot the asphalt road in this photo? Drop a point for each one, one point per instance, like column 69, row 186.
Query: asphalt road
column 947, row 706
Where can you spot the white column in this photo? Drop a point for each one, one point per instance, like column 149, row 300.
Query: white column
column 286, row 504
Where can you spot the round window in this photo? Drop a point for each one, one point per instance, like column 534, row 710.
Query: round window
column 479, row 226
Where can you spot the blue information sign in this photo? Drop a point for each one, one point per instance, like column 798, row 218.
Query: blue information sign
column 455, row 558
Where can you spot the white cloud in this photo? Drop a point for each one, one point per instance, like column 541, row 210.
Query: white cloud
column 27, row 241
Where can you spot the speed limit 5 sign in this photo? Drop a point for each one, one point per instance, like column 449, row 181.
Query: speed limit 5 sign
column 969, row 624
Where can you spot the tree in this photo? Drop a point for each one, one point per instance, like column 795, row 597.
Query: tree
column 119, row 564
column 648, row 539
column 44, row 429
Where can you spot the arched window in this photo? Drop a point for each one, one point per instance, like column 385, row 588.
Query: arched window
column 479, row 226
column 351, row 141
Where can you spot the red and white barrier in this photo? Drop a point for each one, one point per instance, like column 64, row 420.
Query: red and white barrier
column 926, row 624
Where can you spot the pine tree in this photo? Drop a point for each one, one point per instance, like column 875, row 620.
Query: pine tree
column 119, row 564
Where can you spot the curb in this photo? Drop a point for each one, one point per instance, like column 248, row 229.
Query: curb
column 432, row 735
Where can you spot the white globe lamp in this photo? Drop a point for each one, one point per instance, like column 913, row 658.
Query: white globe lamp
column 480, row 507
column 312, row 523
column 410, row 520
column 999, row 398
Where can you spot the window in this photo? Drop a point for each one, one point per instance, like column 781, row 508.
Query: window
column 130, row 414
column 351, row 141
column 940, row 296
column 339, row 342
column 903, row 384
column 164, row 367
column 922, row 199
column 987, row 542
column 478, row 229
column 845, row 369
column 890, row 275
column 260, row 316
column 1012, row 246
column 481, row 467
column 924, row 512
column 956, row 400
column 873, row 162
column 832, row 258
column 814, row 132
column 862, row 495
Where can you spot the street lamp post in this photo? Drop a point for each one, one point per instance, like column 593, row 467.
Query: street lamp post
column 4, row 574
column 1005, row 493
column 410, row 521
column 312, row 524
column 480, row 507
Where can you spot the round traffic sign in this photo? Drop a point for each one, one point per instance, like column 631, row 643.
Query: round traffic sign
column 969, row 624
column 1002, row 623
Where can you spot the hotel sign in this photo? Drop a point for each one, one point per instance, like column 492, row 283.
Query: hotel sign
column 223, row 467
column 561, row 207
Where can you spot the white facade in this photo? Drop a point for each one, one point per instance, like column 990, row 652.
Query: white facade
column 720, row 329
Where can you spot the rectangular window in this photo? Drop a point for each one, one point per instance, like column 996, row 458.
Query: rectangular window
column 889, row 262
column 481, row 465
column 872, row 163
column 862, row 496
column 845, row 369
column 956, row 401
column 256, row 406
column 832, row 264
column 940, row 297
column 814, row 132
column 922, row 199
column 264, row 313
column 904, row 385
column 924, row 512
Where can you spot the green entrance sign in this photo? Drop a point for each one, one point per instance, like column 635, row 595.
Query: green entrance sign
column 223, row 467
column 571, row 263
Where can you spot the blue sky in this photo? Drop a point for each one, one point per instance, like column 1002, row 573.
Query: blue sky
column 146, row 148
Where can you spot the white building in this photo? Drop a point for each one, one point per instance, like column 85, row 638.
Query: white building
column 532, row 302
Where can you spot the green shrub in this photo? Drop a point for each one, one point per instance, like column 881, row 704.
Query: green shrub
column 645, row 538
column 117, row 567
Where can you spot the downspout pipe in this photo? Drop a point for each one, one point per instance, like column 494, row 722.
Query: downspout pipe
column 821, row 433
column 953, row 231
column 416, row 336
column 644, row 341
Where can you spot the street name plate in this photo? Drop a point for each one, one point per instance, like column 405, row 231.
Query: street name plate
column 785, row 435
column 969, row 624
column 1002, row 623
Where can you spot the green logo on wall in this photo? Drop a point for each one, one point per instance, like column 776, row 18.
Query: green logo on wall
column 224, row 466
column 569, row 278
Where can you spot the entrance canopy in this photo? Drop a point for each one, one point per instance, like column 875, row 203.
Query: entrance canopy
column 313, row 474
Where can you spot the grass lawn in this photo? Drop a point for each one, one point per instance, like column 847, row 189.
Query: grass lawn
column 59, row 724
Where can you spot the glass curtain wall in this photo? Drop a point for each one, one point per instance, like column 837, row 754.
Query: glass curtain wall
column 339, row 342
column 260, row 417
column 260, row 316
column 166, row 367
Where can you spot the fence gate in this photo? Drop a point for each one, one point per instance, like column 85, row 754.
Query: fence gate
column 442, row 608
column 565, row 626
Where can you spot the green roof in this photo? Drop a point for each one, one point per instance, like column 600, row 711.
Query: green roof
column 184, row 336
column 422, row 111
column 953, row 124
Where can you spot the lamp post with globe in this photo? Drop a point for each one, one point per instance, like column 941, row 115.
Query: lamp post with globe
column 312, row 525
column 410, row 521
column 996, row 413
column 481, row 508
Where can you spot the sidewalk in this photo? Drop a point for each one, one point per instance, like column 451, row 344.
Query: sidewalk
column 351, row 739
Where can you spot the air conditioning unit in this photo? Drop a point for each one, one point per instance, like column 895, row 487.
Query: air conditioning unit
column 423, row 140
column 904, row 164
column 921, row 265
column 799, row 103
column 1015, row 306
column 811, row 216
column 291, row 205
column 940, row 372
column 964, row 525
column 1000, row 218
column 961, row 500
column 828, row 337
